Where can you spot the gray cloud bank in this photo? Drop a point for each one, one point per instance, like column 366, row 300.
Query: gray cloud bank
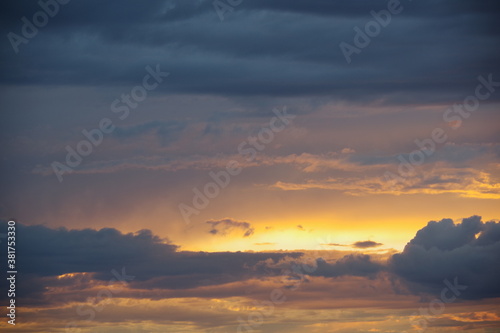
column 468, row 251
column 430, row 51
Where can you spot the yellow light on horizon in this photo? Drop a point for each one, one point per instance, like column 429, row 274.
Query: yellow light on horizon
column 299, row 239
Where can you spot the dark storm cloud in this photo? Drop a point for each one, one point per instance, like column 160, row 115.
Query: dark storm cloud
column 431, row 50
column 48, row 251
column 445, row 235
column 45, row 253
column 353, row 264
column 225, row 226
column 468, row 251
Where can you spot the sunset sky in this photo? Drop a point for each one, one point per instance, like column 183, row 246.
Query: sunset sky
column 252, row 165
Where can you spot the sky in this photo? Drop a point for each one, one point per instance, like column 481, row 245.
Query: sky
column 251, row 166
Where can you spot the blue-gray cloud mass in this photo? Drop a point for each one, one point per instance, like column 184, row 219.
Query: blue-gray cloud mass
column 429, row 50
column 468, row 251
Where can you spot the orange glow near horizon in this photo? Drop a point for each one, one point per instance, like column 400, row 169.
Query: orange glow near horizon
column 292, row 239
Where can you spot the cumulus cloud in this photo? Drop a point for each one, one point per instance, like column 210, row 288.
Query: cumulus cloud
column 468, row 251
column 226, row 226
column 206, row 56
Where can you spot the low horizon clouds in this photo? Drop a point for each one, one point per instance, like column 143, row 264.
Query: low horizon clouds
column 469, row 250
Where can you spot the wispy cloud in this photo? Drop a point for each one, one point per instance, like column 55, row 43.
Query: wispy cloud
column 436, row 179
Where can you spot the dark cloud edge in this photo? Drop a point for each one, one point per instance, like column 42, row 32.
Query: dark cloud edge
column 468, row 251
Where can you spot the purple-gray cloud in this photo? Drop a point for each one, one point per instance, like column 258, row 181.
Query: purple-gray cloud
column 468, row 251
column 225, row 226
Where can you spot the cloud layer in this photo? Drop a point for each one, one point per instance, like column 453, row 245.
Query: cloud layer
column 206, row 55
column 468, row 251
